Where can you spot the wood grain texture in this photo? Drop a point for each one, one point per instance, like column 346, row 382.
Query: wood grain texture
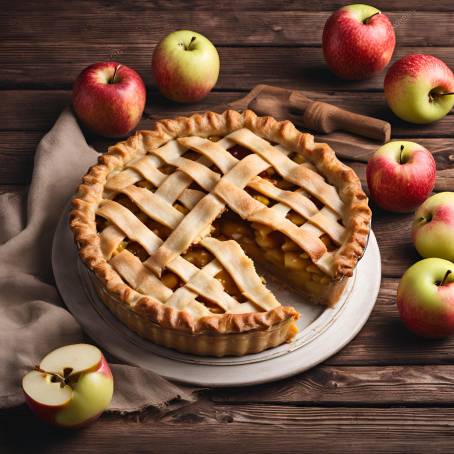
column 337, row 385
column 56, row 65
column 256, row 28
column 249, row 428
column 207, row 5
column 16, row 156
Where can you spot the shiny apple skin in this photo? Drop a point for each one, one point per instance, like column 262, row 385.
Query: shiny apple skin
column 182, row 75
column 109, row 109
column 433, row 227
column 53, row 414
column 427, row 309
column 401, row 187
column 356, row 50
column 408, row 86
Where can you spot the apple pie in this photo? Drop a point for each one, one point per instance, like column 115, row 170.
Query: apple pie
column 172, row 223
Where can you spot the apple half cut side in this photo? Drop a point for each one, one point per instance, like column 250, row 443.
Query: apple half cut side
column 71, row 386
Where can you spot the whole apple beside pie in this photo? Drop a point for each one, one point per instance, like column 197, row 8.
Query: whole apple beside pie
column 172, row 220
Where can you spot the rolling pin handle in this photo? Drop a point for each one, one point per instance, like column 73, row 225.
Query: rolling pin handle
column 323, row 117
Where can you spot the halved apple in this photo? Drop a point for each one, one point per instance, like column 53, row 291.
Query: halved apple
column 71, row 386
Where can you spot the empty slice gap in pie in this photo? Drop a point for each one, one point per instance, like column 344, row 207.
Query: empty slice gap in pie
column 172, row 221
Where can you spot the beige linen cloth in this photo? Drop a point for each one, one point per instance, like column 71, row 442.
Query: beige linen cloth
column 33, row 319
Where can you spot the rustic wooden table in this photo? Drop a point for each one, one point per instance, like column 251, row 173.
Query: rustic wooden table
column 387, row 390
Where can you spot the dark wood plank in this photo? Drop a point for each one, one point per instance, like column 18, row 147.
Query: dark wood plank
column 248, row 429
column 236, row 5
column 56, row 65
column 334, row 385
column 248, row 28
column 16, row 156
column 29, row 110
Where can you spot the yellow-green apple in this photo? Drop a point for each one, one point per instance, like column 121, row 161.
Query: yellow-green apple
column 425, row 298
column 433, row 227
column 109, row 98
column 401, row 175
column 71, row 387
column 419, row 88
column 185, row 66
column 358, row 41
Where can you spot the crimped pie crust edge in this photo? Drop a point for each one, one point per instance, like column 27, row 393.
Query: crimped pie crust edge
column 82, row 217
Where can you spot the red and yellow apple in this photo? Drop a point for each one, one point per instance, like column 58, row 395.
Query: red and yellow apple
column 433, row 227
column 109, row 98
column 419, row 88
column 71, row 387
column 358, row 41
column 425, row 298
column 401, row 175
column 185, row 66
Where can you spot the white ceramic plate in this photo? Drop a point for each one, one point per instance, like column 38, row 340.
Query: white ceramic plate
column 323, row 331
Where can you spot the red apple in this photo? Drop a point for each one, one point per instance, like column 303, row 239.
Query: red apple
column 419, row 88
column 109, row 98
column 425, row 298
column 358, row 41
column 401, row 175
column 185, row 66
column 71, row 387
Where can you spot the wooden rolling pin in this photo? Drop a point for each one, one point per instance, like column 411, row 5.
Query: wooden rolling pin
column 318, row 116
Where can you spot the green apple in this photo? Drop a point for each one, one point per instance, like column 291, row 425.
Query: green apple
column 71, row 387
column 185, row 66
column 425, row 298
column 433, row 227
column 419, row 88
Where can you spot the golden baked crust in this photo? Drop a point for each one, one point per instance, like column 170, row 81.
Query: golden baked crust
column 351, row 205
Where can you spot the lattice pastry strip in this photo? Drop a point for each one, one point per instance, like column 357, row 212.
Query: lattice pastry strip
column 217, row 153
column 197, row 281
column 288, row 169
column 224, row 160
column 302, row 205
column 195, row 226
column 229, row 188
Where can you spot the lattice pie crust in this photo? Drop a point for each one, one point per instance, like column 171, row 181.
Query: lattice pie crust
column 171, row 221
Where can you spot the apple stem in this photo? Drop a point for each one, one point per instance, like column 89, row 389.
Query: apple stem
column 368, row 19
column 190, row 43
column 448, row 272
column 401, row 151
column 112, row 81
column 433, row 94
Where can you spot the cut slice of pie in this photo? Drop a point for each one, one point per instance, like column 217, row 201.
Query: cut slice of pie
column 171, row 221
